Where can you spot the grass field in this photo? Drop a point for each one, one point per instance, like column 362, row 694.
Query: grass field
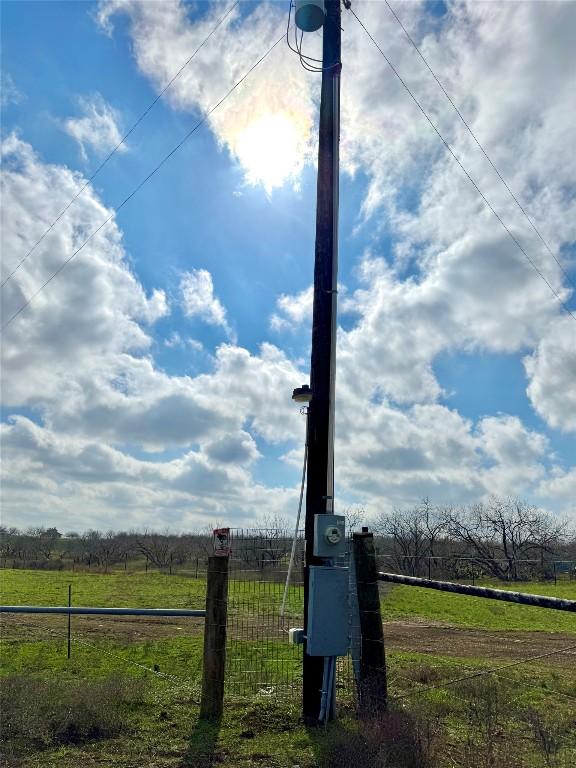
column 523, row 715
column 405, row 602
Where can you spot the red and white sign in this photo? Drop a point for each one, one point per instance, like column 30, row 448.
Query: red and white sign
column 222, row 542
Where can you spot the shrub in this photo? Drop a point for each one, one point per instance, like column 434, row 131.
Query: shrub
column 393, row 739
column 38, row 714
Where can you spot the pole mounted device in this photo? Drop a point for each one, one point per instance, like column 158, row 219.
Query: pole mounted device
column 309, row 15
column 320, row 485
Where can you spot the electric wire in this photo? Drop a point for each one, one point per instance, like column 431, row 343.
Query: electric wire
column 309, row 63
column 474, row 184
column 471, row 132
column 297, row 528
column 119, row 144
column 173, row 151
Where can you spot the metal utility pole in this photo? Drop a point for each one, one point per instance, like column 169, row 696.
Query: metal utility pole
column 320, row 486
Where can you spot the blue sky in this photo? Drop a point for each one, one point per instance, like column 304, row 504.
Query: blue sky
column 163, row 359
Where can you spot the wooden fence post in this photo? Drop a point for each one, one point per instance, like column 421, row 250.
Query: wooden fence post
column 214, row 663
column 372, row 683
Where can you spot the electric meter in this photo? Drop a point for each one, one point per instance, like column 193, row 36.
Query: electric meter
column 329, row 535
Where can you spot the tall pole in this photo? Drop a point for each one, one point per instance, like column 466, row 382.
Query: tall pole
column 320, row 486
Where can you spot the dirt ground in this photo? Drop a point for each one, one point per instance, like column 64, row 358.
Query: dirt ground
column 442, row 640
column 411, row 636
column 125, row 629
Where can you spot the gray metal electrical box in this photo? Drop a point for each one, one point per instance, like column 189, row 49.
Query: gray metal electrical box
column 329, row 535
column 328, row 626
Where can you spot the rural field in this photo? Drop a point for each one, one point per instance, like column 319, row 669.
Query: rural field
column 129, row 694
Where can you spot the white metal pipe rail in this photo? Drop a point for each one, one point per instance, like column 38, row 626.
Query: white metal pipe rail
column 522, row 598
column 87, row 611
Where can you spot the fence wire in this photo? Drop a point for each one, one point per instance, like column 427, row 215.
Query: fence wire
column 260, row 660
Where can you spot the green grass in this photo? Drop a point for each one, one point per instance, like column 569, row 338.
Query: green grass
column 136, row 590
column 266, row 731
column 179, row 657
column 164, row 730
column 404, row 602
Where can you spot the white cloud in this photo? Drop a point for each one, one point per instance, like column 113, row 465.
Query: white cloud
column 9, row 93
column 198, row 299
column 267, row 123
column 552, row 373
column 292, row 311
column 82, row 356
column 475, row 289
column 79, row 357
column 50, row 476
column 98, row 129
column 93, row 311
column 562, row 485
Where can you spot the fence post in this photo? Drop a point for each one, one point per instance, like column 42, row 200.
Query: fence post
column 214, row 662
column 372, row 684
column 69, row 618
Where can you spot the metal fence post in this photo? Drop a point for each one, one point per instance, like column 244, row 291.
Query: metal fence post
column 372, row 684
column 69, row 618
column 214, row 663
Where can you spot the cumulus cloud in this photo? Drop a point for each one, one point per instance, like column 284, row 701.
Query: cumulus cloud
column 97, row 130
column 473, row 288
column 267, row 126
column 552, row 372
column 292, row 311
column 451, row 280
column 80, row 358
column 94, row 310
column 198, row 299
column 562, row 486
column 47, row 475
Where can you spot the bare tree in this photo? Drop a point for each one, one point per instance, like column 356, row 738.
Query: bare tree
column 499, row 534
column 267, row 544
column 44, row 540
column 10, row 543
column 158, row 548
column 354, row 516
column 414, row 534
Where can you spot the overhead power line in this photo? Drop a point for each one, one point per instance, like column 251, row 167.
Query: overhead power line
column 474, row 184
column 120, row 143
column 471, row 132
column 173, row 151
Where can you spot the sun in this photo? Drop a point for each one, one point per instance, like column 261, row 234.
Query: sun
column 271, row 150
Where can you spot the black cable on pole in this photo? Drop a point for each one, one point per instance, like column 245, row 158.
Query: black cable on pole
column 117, row 147
column 474, row 184
column 200, row 122
column 309, row 63
column 471, row 132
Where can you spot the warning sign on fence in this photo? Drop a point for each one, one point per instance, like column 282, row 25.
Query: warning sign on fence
column 222, row 541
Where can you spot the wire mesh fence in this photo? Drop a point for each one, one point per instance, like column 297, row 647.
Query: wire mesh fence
column 260, row 660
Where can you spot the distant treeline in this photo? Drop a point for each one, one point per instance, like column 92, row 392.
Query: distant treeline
column 503, row 539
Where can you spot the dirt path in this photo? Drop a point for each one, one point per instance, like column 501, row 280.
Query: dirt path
column 415, row 636
column 442, row 640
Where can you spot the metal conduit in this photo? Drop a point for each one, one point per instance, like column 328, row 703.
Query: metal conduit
column 79, row 610
column 541, row 601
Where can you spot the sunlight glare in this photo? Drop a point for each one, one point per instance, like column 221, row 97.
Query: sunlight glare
column 271, row 149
